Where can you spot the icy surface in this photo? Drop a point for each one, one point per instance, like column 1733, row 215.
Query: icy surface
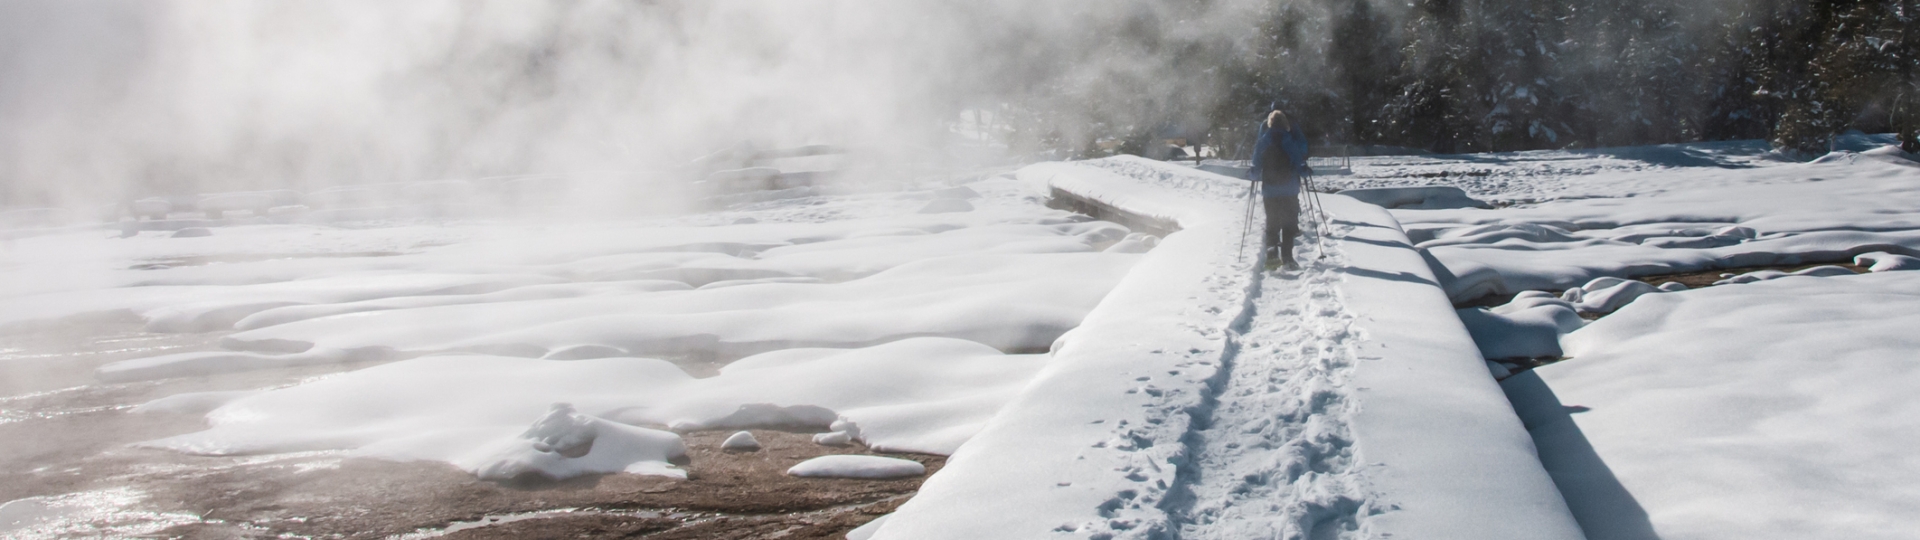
column 857, row 466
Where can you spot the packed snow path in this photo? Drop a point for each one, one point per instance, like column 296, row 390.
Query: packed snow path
column 1273, row 455
column 1345, row 400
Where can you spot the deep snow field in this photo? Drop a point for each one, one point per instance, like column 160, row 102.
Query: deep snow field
column 1696, row 341
column 1770, row 404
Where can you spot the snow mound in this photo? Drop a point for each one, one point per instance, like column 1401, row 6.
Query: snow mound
column 1606, row 295
column 741, row 441
column 1524, row 333
column 1134, row 243
column 1881, row 261
column 857, row 466
column 565, row 444
column 833, row 438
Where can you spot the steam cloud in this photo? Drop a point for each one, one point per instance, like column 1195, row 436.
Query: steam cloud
column 106, row 100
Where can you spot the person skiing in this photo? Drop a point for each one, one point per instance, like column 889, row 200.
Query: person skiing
column 1279, row 159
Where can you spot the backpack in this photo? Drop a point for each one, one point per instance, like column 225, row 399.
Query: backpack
column 1277, row 158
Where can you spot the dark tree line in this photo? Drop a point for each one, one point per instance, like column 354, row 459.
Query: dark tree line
column 1481, row 75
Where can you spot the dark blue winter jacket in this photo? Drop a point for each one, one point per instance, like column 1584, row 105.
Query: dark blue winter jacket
column 1293, row 144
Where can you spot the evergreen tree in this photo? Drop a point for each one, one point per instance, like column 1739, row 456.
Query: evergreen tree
column 1738, row 106
column 1362, row 56
column 1523, row 44
column 1434, row 108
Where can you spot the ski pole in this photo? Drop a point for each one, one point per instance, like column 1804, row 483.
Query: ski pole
column 1320, row 211
column 1246, row 226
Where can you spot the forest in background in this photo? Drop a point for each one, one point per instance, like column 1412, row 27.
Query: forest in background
column 1456, row 76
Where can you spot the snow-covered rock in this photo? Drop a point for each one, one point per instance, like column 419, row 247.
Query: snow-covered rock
column 857, row 466
column 1881, row 261
column 833, row 438
column 1134, row 243
column 1605, row 295
column 741, row 441
column 564, row 444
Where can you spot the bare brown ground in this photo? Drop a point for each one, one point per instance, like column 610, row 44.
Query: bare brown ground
column 63, row 433
column 1696, row 280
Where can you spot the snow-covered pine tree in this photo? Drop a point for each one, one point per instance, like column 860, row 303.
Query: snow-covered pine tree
column 1523, row 42
column 1365, row 62
column 1434, row 107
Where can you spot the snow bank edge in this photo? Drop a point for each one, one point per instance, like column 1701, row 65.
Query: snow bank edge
column 1440, row 442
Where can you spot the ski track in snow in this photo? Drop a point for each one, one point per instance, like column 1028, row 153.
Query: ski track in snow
column 1272, row 450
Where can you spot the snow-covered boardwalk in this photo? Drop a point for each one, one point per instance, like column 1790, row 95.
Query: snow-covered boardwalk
column 1200, row 400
